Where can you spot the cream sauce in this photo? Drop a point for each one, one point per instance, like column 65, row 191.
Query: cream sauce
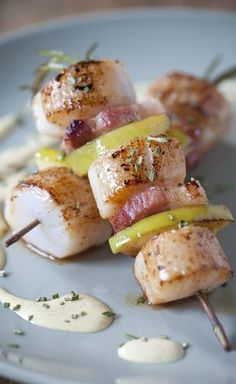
column 82, row 315
column 151, row 350
column 2, row 258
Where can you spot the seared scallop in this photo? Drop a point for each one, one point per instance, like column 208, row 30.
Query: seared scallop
column 69, row 221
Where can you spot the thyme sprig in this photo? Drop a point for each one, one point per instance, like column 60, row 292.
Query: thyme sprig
column 56, row 61
column 225, row 75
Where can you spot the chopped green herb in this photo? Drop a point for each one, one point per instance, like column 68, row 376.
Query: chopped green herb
column 138, row 164
column 18, row 332
column 67, row 321
column 30, row 317
column 62, row 303
column 55, row 296
column 13, row 345
column 162, row 139
column 140, row 300
column 212, row 67
column 171, row 217
column 131, row 337
column 6, row 305
column 17, row 307
column 183, row 224
column 109, row 314
column 42, row 298
column 151, row 175
column 90, row 51
column 83, row 313
column 75, row 316
column 45, row 305
column 75, row 296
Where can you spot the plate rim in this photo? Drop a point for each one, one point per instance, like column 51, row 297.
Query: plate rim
column 8, row 369
column 116, row 13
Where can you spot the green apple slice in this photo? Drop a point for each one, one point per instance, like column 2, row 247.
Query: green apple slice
column 49, row 157
column 131, row 239
column 81, row 159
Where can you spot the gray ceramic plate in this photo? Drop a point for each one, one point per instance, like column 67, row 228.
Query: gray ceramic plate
column 149, row 42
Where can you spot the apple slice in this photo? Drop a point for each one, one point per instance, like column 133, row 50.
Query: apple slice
column 132, row 239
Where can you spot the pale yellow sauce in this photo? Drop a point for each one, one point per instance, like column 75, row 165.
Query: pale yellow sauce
column 82, row 315
column 2, row 258
column 151, row 350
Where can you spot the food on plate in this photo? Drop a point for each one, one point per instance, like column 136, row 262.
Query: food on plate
column 136, row 165
column 131, row 239
column 155, row 199
column 196, row 106
column 80, row 92
column 180, row 262
column 80, row 159
column 69, row 221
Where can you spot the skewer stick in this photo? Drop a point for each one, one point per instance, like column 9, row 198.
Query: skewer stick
column 216, row 325
column 19, row 234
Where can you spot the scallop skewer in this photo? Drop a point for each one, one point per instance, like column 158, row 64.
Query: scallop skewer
column 56, row 213
column 181, row 263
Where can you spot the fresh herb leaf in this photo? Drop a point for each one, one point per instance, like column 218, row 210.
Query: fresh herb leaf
column 131, row 337
column 183, row 224
column 55, row 296
column 45, row 305
column 75, row 316
column 162, row 139
column 226, row 75
column 151, row 175
column 6, row 305
column 42, row 298
column 109, row 314
column 212, row 67
column 140, row 300
column 30, row 317
column 90, row 51
column 17, row 307
column 18, row 332
column 13, row 345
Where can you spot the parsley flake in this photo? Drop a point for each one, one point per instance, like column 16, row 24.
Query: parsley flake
column 140, row 300
column 55, row 296
column 6, row 305
column 109, row 314
column 30, row 317
column 17, row 307
column 183, row 224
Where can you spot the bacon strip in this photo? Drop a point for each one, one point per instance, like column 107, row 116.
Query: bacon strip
column 155, row 199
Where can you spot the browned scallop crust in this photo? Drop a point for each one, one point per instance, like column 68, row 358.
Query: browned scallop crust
column 178, row 263
column 71, row 193
column 194, row 102
column 79, row 91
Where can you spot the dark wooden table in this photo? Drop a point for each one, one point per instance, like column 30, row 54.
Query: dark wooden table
column 19, row 13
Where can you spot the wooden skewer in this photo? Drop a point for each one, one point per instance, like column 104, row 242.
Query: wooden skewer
column 216, row 325
column 19, row 234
